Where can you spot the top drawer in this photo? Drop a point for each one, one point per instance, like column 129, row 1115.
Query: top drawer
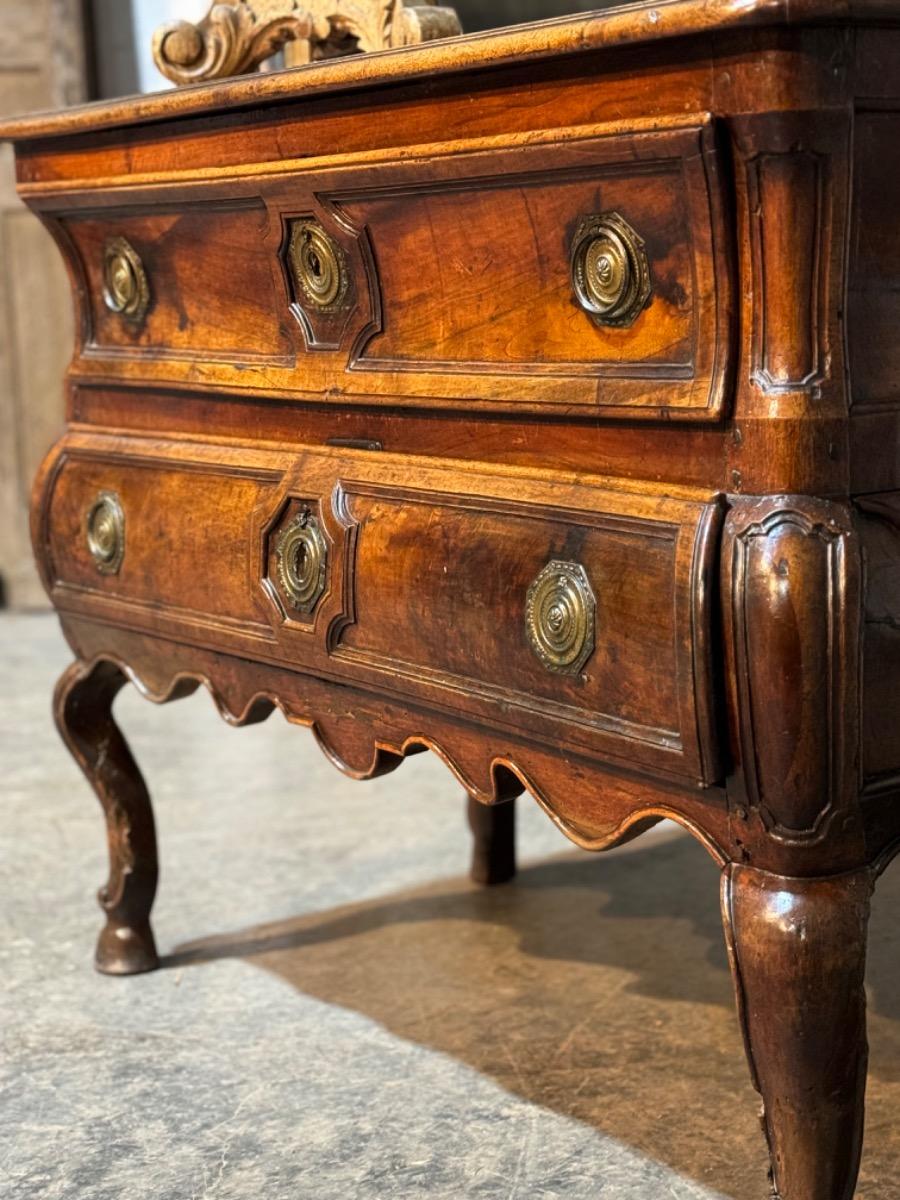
column 583, row 271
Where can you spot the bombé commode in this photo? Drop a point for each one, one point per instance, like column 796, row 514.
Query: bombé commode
column 532, row 397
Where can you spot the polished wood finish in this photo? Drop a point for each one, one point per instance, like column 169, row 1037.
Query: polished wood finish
column 83, row 711
column 364, row 456
column 803, row 942
column 494, row 841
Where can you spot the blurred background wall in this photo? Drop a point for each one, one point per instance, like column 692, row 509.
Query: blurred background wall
column 43, row 64
column 60, row 52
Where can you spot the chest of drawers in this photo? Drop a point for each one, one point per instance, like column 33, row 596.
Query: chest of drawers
column 531, row 398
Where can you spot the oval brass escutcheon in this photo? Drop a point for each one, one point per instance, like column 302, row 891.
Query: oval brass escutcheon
column 302, row 557
column 106, row 533
column 318, row 266
column 560, row 616
column 126, row 290
column 610, row 272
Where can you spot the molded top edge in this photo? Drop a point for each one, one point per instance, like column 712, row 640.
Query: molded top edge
column 646, row 22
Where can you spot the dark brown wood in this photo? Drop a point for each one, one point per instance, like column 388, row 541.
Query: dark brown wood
column 494, row 841
column 792, row 579
column 642, row 568
column 798, row 952
column 83, row 710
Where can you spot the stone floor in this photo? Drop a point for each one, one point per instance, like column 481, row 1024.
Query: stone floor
column 341, row 1014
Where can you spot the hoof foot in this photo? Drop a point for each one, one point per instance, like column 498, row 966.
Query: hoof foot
column 124, row 950
column 492, row 871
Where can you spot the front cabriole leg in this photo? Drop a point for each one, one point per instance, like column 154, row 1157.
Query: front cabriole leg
column 798, row 954
column 83, row 711
column 796, row 896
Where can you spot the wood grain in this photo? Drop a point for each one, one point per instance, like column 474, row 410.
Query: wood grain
column 711, row 487
column 803, row 941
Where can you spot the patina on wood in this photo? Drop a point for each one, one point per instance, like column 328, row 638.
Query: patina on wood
column 531, row 399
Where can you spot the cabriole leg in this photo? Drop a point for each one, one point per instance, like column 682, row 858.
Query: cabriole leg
column 798, row 952
column 494, row 830
column 83, row 710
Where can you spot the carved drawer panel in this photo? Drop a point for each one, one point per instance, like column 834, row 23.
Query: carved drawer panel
column 187, row 282
column 589, row 261
column 568, row 608
column 153, row 541
column 582, row 270
column 574, row 609
column 571, row 608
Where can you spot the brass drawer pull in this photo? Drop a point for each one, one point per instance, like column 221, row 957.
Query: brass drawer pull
column 106, row 533
column 560, row 615
column 126, row 290
column 610, row 273
column 302, row 557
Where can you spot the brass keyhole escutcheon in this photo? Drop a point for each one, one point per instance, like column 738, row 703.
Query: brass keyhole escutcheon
column 302, row 557
column 318, row 266
column 106, row 533
column 299, row 567
column 610, row 272
column 560, row 617
column 126, row 290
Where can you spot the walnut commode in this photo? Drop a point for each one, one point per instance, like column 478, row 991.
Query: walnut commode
column 532, row 398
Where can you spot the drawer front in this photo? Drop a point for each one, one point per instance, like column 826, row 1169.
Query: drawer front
column 142, row 538
column 208, row 285
column 567, row 609
column 584, row 271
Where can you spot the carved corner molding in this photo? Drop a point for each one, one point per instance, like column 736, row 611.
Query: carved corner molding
column 792, row 584
column 236, row 36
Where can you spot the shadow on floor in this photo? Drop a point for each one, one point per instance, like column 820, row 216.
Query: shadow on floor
column 596, row 987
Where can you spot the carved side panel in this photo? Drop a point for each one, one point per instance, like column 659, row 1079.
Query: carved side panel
column 792, row 584
column 787, row 197
column 792, row 203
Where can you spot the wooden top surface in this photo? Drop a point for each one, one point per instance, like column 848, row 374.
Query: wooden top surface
column 625, row 24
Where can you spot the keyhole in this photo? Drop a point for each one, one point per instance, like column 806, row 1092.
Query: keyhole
column 315, row 264
column 300, row 559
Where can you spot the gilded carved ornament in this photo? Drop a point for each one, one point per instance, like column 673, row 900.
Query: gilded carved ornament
column 236, row 36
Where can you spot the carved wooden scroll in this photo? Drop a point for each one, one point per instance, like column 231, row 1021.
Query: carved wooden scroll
column 236, row 36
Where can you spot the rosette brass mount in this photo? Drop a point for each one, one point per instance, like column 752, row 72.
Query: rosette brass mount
column 610, row 272
column 105, row 528
column 126, row 290
column 560, row 617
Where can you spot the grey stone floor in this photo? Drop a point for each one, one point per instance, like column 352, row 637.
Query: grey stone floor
column 340, row 1014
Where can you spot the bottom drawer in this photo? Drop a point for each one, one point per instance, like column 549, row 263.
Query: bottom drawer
column 566, row 608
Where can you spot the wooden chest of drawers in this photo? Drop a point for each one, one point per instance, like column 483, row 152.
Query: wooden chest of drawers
column 532, row 398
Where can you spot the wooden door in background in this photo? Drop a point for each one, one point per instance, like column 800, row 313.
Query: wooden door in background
column 42, row 65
